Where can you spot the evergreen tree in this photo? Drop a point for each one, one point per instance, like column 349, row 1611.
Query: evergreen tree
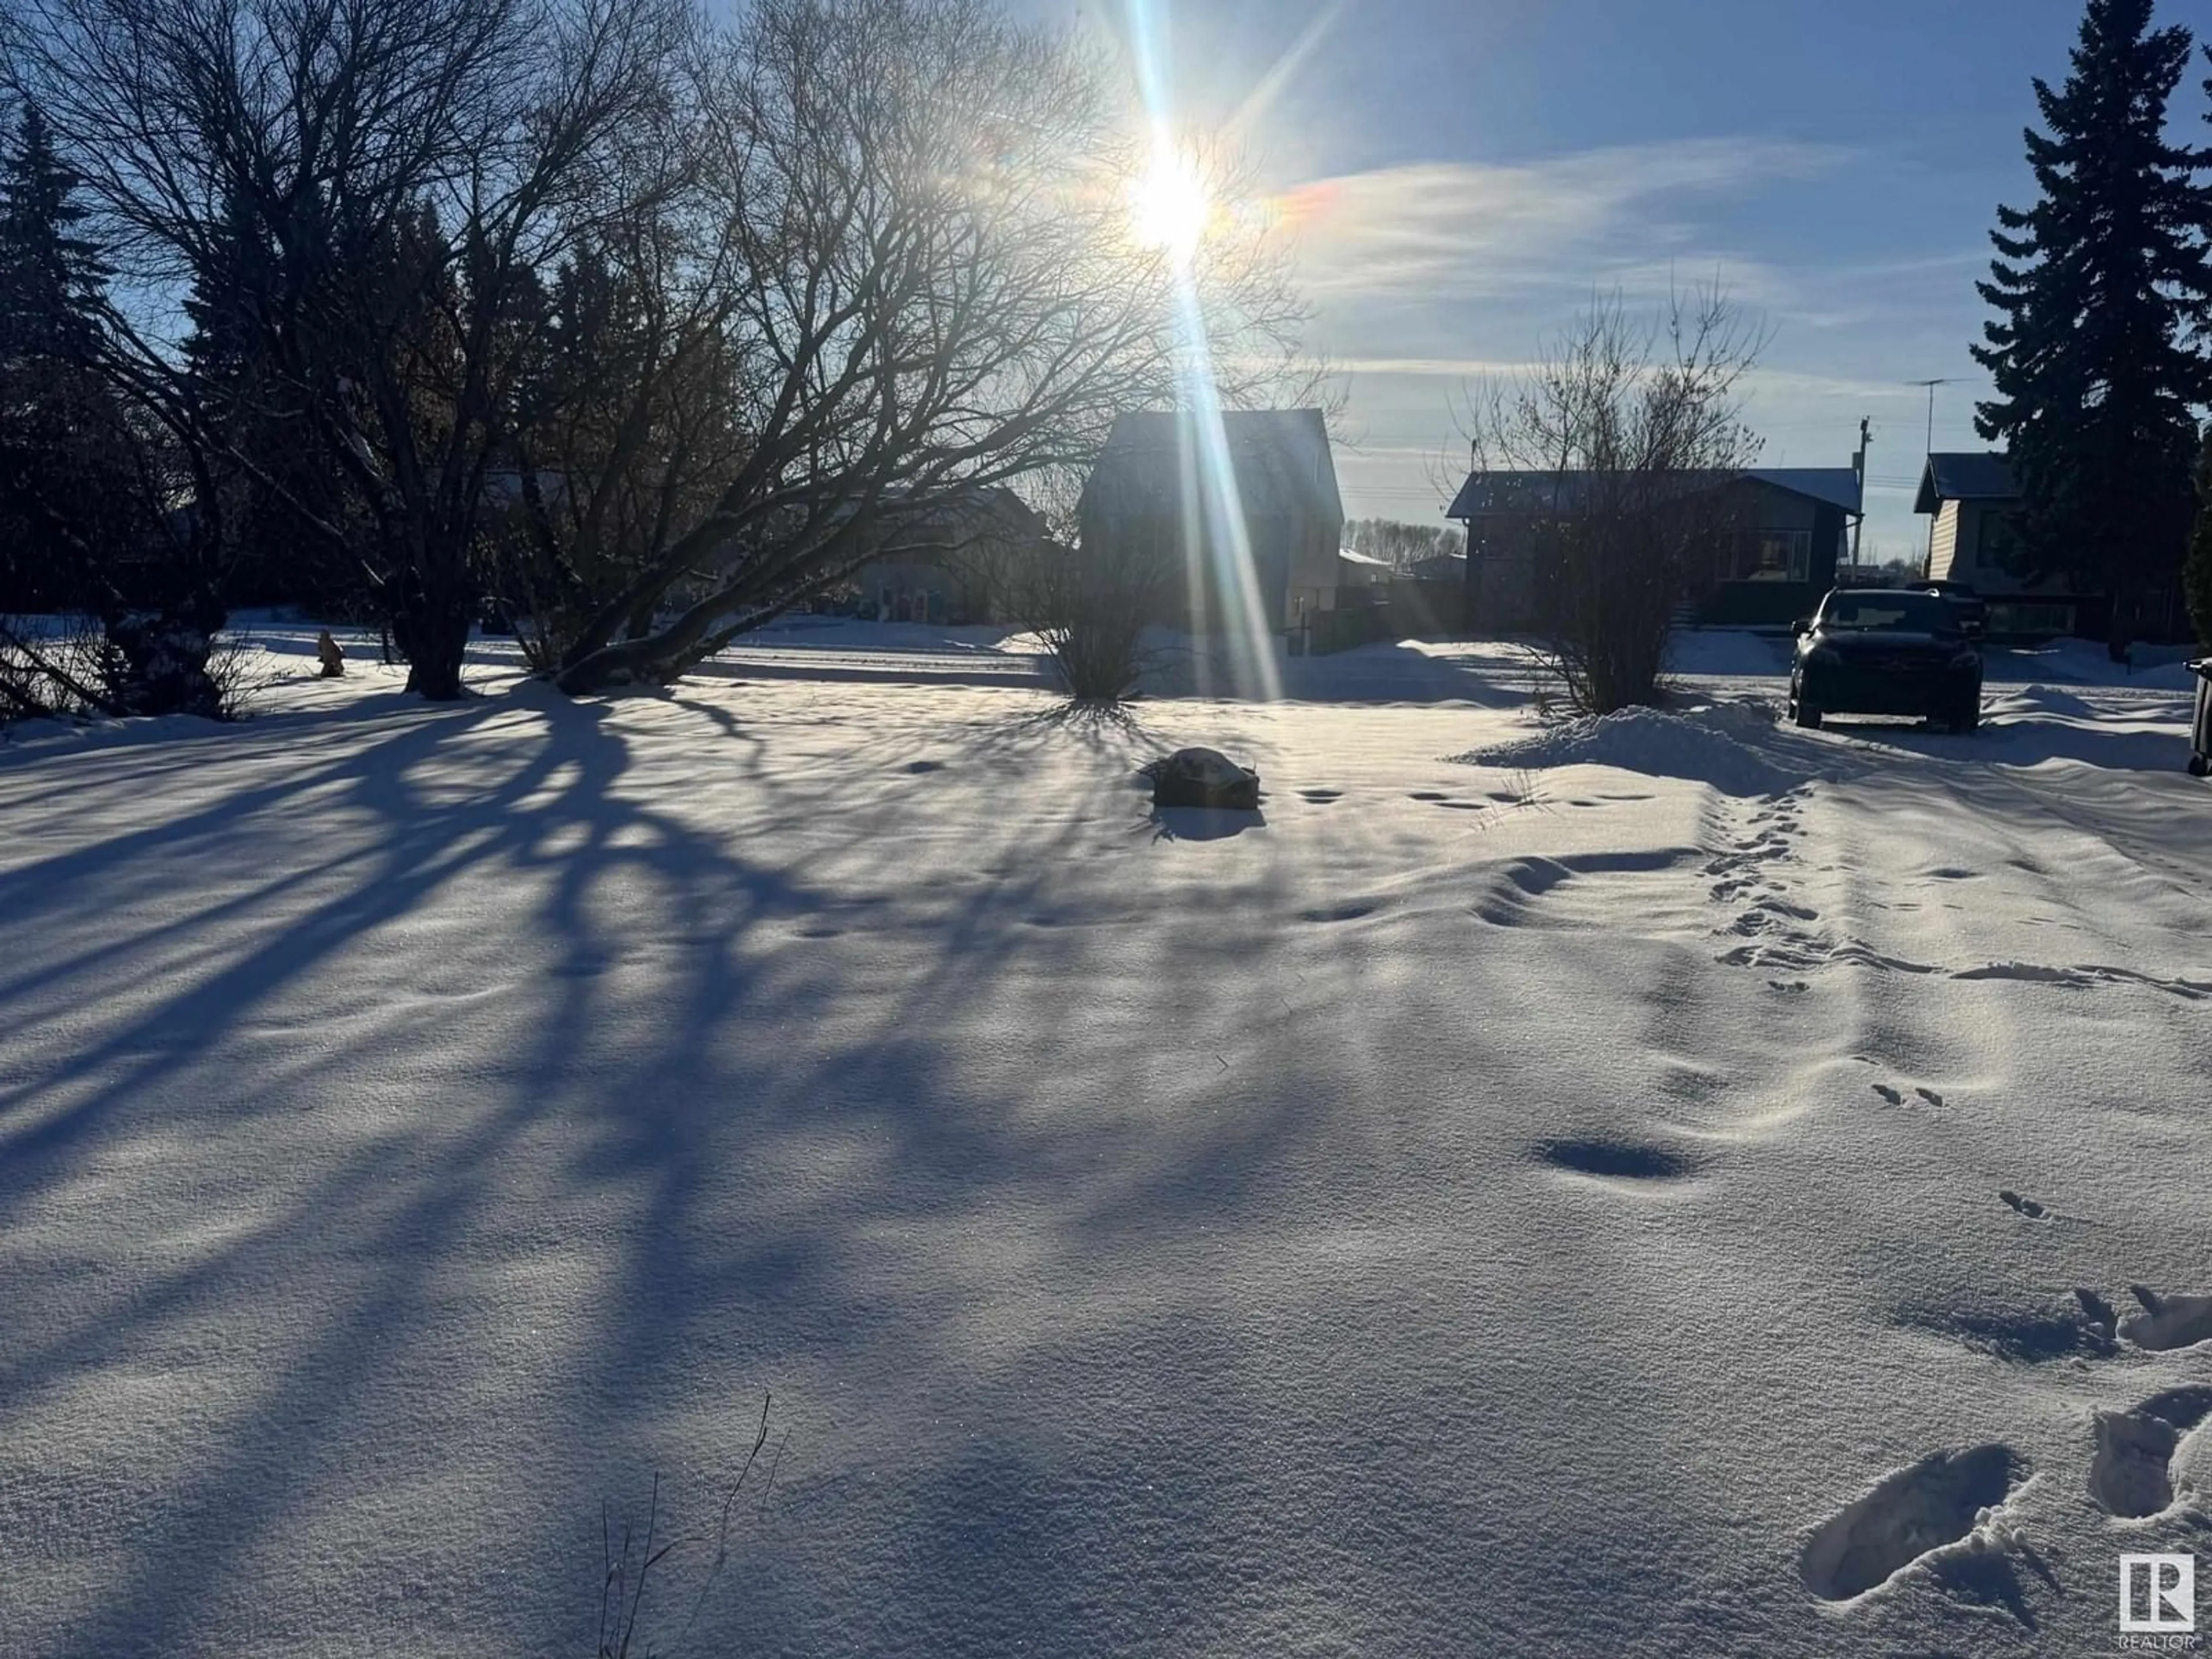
column 224, row 345
column 57, row 499
column 253, row 420
column 2094, row 290
column 100, row 508
column 52, row 280
column 2197, row 575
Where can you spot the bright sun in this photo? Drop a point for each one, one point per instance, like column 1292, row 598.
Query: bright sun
column 1168, row 207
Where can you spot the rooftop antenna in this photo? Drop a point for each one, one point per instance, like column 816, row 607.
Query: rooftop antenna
column 1930, row 385
column 1928, row 567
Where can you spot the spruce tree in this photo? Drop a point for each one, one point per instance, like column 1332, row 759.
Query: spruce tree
column 223, row 346
column 87, row 480
column 52, row 279
column 2197, row 573
column 2096, row 288
column 57, row 495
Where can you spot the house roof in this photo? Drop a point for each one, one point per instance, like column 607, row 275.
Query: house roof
column 1838, row 486
column 1488, row 494
column 1351, row 556
column 958, row 517
column 1281, row 458
column 1967, row 474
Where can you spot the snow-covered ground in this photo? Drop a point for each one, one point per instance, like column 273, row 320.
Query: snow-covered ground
column 1629, row 1193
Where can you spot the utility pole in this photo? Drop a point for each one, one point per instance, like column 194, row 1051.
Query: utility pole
column 1859, row 466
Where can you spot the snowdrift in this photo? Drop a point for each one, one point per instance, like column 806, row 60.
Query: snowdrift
column 1727, row 746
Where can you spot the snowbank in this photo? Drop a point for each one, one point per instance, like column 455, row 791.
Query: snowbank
column 1709, row 745
column 2043, row 700
column 2084, row 662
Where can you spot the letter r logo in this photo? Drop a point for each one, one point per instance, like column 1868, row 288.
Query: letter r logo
column 2158, row 1594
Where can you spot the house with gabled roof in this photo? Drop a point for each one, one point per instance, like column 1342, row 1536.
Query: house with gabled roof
column 1151, row 492
column 1775, row 537
column 1972, row 503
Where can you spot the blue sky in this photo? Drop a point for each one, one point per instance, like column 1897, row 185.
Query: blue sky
column 1486, row 164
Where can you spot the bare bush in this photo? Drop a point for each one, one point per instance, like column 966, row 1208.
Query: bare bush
column 1092, row 614
column 50, row 668
column 1612, row 448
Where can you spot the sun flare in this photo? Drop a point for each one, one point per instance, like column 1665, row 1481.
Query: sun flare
column 1168, row 206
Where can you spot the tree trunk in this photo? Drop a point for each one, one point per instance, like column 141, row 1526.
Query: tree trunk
column 434, row 639
column 2123, row 614
column 656, row 660
column 430, row 626
column 430, row 620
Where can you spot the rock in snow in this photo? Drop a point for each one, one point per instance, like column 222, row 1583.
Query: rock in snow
column 1203, row 777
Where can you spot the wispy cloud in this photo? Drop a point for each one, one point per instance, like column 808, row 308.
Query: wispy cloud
column 1460, row 230
column 1774, row 382
column 1449, row 368
column 1430, row 276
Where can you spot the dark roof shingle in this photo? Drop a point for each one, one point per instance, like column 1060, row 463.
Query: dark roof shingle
column 1491, row 494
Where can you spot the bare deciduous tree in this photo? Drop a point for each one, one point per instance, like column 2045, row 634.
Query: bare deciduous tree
column 874, row 253
column 627, row 431
column 1614, row 443
column 924, row 208
column 405, row 168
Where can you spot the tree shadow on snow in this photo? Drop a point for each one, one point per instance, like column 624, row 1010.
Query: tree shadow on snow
column 641, row 1097
column 211, row 940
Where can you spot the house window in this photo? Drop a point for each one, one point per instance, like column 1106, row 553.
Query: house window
column 1771, row 556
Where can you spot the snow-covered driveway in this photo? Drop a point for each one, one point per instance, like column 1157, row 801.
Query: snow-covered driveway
column 1478, row 1209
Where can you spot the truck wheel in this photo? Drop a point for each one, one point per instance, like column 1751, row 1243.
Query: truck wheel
column 1969, row 721
column 2200, row 766
column 1805, row 715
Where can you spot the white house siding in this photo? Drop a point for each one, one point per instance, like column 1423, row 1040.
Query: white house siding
column 1943, row 549
column 1961, row 528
